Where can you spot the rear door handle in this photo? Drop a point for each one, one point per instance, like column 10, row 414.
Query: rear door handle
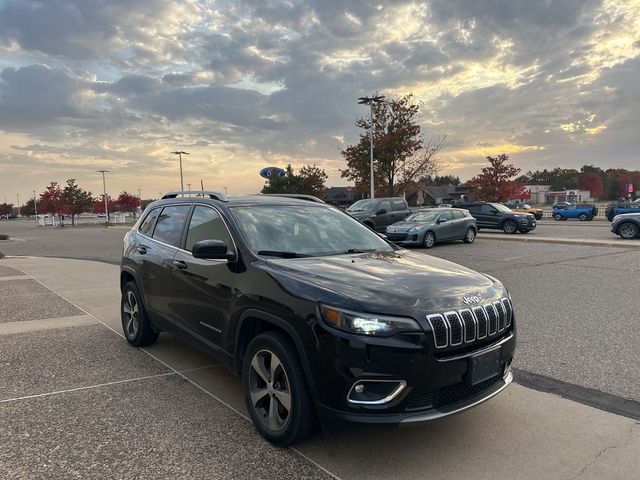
column 180, row 265
column 141, row 250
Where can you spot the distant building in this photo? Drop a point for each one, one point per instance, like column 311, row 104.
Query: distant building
column 341, row 197
column 535, row 194
column 432, row 195
column 573, row 196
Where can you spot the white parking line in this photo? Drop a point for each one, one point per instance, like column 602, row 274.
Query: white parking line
column 179, row 373
column 89, row 387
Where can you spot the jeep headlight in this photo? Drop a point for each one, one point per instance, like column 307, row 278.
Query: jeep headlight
column 368, row 323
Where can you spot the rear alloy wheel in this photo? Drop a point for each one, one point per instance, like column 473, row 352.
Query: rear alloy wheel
column 135, row 322
column 276, row 393
column 557, row 217
column 628, row 230
column 470, row 236
column 583, row 217
column 429, row 240
column 510, row 227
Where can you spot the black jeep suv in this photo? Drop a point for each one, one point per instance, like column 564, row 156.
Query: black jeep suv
column 499, row 217
column 322, row 318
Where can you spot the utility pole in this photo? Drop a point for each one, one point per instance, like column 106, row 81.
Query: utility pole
column 35, row 205
column 18, row 200
column 189, row 185
column 225, row 191
column 180, row 153
column 370, row 101
column 104, row 189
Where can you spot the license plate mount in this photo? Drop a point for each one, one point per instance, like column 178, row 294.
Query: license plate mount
column 484, row 366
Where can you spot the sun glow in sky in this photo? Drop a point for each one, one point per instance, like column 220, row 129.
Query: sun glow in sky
column 119, row 84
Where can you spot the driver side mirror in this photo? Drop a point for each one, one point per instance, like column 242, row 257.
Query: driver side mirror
column 441, row 220
column 212, row 250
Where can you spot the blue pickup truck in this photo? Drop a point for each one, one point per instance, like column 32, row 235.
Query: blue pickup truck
column 618, row 208
column 583, row 212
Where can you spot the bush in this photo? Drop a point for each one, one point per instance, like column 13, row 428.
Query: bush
column 4, row 236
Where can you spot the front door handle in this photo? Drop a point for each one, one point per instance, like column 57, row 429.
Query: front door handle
column 141, row 250
column 180, row 265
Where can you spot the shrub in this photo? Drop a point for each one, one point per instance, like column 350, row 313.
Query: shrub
column 4, row 236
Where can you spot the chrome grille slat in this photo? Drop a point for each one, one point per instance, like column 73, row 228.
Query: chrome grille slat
column 456, row 328
column 492, row 315
column 453, row 328
column 501, row 314
column 469, row 322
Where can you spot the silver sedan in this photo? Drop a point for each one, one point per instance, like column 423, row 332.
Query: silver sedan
column 426, row 227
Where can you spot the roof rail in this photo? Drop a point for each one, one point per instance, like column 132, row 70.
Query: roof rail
column 310, row 198
column 198, row 193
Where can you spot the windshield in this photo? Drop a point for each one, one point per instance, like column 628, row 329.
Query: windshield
column 291, row 231
column 362, row 205
column 422, row 217
column 501, row 208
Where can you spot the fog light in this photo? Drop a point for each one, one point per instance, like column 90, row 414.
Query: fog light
column 375, row 392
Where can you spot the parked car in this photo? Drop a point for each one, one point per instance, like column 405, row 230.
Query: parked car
column 617, row 208
column 320, row 317
column 379, row 213
column 427, row 227
column 497, row 216
column 445, row 205
column 526, row 208
column 583, row 212
column 627, row 225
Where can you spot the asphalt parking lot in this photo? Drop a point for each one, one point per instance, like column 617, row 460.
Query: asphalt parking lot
column 77, row 402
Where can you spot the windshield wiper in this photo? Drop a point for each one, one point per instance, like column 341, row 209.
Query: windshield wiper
column 357, row 250
column 277, row 253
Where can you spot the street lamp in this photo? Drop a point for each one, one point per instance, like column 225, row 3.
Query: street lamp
column 35, row 205
column 104, row 189
column 370, row 101
column 180, row 153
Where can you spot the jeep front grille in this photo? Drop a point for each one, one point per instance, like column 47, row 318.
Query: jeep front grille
column 453, row 328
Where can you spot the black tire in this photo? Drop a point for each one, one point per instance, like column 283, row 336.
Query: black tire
column 557, row 217
column 429, row 240
column 510, row 227
column 135, row 321
column 628, row 230
column 583, row 217
column 287, row 380
column 470, row 236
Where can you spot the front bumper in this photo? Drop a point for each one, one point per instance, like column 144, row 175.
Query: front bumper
column 436, row 382
column 405, row 239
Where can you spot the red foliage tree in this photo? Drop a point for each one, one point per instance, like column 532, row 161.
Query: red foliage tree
column 496, row 182
column 51, row 200
column 593, row 182
column 98, row 204
column 127, row 202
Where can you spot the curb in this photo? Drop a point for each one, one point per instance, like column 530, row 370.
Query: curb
column 633, row 245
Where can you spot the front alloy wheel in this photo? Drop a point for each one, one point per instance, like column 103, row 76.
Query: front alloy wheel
column 628, row 230
column 275, row 390
column 429, row 240
column 557, row 217
column 510, row 227
column 270, row 391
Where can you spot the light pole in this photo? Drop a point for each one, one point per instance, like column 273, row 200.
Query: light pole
column 180, row 153
column 370, row 101
column 104, row 189
column 35, row 205
column 18, row 200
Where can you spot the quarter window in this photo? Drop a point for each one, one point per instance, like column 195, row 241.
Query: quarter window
column 398, row 205
column 146, row 227
column 457, row 214
column 169, row 226
column 206, row 224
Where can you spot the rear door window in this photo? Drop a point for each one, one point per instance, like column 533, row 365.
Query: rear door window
column 146, row 227
column 386, row 205
column 398, row 205
column 170, row 223
column 487, row 209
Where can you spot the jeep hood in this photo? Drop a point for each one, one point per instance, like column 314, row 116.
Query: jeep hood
column 387, row 282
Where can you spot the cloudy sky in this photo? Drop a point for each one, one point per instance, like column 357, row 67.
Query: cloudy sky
column 242, row 84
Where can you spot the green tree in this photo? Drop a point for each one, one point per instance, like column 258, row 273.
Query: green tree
column 497, row 182
column 310, row 181
column 28, row 208
column 75, row 199
column 401, row 155
column 6, row 209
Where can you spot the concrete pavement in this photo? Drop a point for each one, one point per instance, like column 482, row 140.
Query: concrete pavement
column 77, row 401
